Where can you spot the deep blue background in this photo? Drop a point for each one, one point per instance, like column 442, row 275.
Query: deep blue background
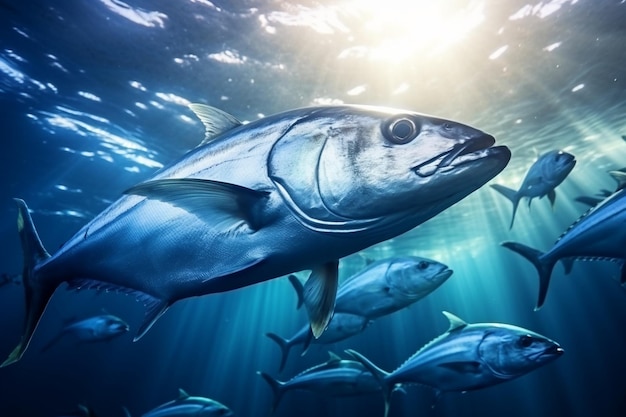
column 74, row 136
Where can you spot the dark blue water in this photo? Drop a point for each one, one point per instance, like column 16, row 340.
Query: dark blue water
column 93, row 97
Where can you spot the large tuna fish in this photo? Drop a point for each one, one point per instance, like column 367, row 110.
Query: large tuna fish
column 293, row 191
column 468, row 357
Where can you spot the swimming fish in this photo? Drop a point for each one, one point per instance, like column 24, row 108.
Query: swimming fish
column 341, row 327
column 598, row 235
column 548, row 171
column 382, row 288
column 335, row 378
column 468, row 357
column 186, row 405
column 6, row 279
column 93, row 329
column 295, row 191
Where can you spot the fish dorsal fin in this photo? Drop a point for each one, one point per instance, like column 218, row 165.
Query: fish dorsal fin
column 215, row 121
column 333, row 357
column 455, row 322
column 620, row 177
column 182, row 394
column 213, row 201
column 320, row 291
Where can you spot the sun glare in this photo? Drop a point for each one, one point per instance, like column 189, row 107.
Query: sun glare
column 399, row 29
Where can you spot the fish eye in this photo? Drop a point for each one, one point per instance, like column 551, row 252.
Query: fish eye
column 422, row 265
column 525, row 341
column 400, row 130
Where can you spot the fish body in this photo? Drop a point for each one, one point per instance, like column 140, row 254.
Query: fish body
column 598, row 235
column 188, row 406
column 335, row 378
column 93, row 329
column 382, row 288
column 293, row 191
column 541, row 180
column 469, row 357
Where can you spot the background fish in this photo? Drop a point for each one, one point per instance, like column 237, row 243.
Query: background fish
column 468, row 357
column 382, row 288
column 598, row 235
column 90, row 330
column 186, row 405
column 548, row 171
column 335, row 378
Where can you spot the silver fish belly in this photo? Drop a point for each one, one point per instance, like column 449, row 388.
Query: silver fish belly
column 293, row 191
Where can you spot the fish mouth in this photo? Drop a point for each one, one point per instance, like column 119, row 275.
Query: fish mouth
column 554, row 350
column 463, row 153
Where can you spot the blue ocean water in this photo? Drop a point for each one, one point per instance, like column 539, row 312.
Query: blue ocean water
column 94, row 98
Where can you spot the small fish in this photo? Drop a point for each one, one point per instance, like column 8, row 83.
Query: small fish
column 6, row 279
column 619, row 176
column 341, row 327
column 93, row 329
column 598, row 235
column 548, row 171
column 295, row 191
column 187, row 406
column 335, row 378
column 382, row 288
column 468, row 357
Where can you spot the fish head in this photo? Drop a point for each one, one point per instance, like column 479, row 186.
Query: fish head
column 412, row 277
column 556, row 166
column 113, row 325
column 349, row 167
column 510, row 351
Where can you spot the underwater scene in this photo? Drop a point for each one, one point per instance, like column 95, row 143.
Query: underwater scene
column 313, row 208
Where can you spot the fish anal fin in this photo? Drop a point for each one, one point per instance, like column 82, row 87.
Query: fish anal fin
column 154, row 309
column 320, row 292
column 214, row 201
column 552, row 197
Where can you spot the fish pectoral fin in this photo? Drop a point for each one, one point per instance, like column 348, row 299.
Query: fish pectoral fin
column 214, row 201
column 320, row 292
column 552, row 197
column 154, row 309
column 463, row 367
column 215, row 121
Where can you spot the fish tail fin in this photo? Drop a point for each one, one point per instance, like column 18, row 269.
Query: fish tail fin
column 299, row 288
column 284, row 346
column 378, row 373
column 37, row 293
column 277, row 389
column 511, row 195
column 543, row 265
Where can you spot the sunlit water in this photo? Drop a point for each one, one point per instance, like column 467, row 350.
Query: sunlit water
column 94, row 99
